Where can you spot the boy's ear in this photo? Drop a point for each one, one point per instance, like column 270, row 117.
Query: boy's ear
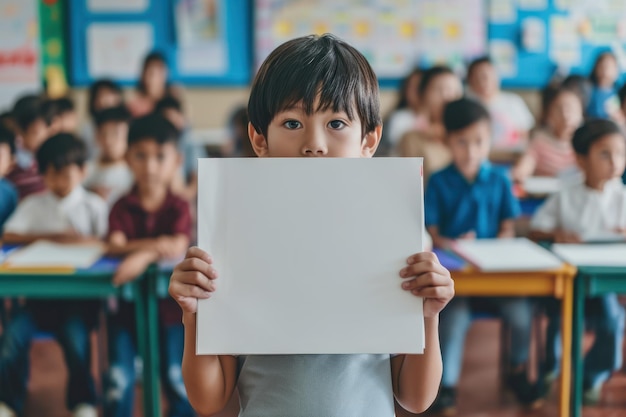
column 370, row 142
column 581, row 161
column 258, row 141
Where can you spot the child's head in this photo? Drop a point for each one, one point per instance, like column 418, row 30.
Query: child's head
column 622, row 98
column 580, row 85
column 112, row 133
column 7, row 149
column 61, row 162
column 103, row 94
column 172, row 109
column 152, row 153
column 468, row 134
column 31, row 121
column 315, row 96
column 605, row 71
column 409, row 90
column 439, row 86
column 562, row 111
column 62, row 114
column 154, row 74
column 600, row 148
column 482, row 78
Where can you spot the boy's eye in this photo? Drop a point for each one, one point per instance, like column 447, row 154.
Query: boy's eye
column 336, row 124
column 292, row 124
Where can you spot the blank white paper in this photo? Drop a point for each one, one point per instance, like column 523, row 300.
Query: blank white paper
column 611, row 254
column 507, row 255
column 44, row 254
column 309, row 252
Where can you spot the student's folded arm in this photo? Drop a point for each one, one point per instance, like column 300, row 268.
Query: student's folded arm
column 118, row 244
column 507, row 229
column 524, row 168
column 416, row 378
column 438, row 240
column 209, row 379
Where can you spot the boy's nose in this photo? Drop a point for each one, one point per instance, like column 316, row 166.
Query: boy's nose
column 315, row 145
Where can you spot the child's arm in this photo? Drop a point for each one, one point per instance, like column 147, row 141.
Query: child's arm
column 209, row 379
column 416, row 378
column 438, row 240
column 164, row 246
column 546, row 225
column 524, row 168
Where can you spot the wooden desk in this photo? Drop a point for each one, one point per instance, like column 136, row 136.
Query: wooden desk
column 590, row 282
column 558, row 283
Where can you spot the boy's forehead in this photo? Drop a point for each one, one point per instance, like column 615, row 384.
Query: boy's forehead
column 152, row 144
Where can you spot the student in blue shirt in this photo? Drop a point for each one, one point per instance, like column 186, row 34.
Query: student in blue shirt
column 604, row 103
column 8, row 193
column 471, row 199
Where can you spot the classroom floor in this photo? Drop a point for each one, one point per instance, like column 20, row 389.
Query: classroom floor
column 479, row 392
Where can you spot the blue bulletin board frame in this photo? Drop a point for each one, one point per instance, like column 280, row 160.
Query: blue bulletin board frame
column 236, row 21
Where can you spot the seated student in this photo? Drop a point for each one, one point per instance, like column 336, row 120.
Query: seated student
column 66, row 213
column 471, row 199
column 238, row 144
column 33, row 129
column 103, row 93
column 8, row 193
column 326, row 110
column 604, row 76
column 582, row 86
column 439, row 85
column 62, row 115
column 594, row 207
column 186, row 184
column 550, row 150
column 405, row 117
column 108, row 174
column 148, row 224
column 510, row 118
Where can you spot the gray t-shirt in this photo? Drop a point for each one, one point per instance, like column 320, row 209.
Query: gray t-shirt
column 315, row 386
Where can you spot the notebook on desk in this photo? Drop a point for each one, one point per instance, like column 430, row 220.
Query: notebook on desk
column 586, row 254
column 44, row 256
column 506, row 255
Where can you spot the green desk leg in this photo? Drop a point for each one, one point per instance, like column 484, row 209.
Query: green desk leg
column 578, row 332
column 147, row 330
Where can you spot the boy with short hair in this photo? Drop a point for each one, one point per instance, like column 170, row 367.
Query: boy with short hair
column 33, row 128
column 62, row 115
column 108, row 175
column 8, row 193
column 326, row 109
column 588, row 211
column 66, row 213
column 471, row 199
column 148, row 224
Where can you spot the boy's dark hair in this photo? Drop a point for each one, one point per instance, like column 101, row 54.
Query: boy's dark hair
column 96, row 87
column 7, row 136
column 27, row 110
column 622, row 94
column 153, row 127
column 65, row 105
column 475, row 63
column 112, row 114
column 53, row 108
column 432, row 73
column 154, row 57
column 592, row 131
column 601, row 56
column 305, row 68
column 464, row 112
column 60, row 151
column 168, row 102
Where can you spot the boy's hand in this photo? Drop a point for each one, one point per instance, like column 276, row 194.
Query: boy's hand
column 193, row 278
column 133, row 266
column 426, row 277
column 471, row 235
column 564, row 236
column 166, row 248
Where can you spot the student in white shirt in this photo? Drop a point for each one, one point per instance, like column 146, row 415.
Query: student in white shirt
column 588, row 211
column 511, row 120
column 108, row 175
column 64, row 213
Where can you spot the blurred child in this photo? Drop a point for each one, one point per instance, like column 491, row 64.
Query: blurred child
column 185, row 184
column 471, row 199
column 33, row 129
column 590, row 210
column 108, row 175
column 438, row 86
column 510, row 118
column 330, row 109
column 66, row 213
column 238, row 144
column 405, row 117
column 153, row 85
column 550, row 151
column 103, row 94
column 604, row 76
column 148, row 224
column 8, row 193
column 582, row 86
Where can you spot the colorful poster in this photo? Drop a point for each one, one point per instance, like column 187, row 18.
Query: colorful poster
column 565, row 42
column 502, row 11
column 52, row 35
column 504, row 56
column 19, row 50
column 117, row 6
column 532, row 4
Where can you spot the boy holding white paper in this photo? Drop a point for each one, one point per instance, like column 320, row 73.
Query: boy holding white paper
column 592, row 210
column 314, row 97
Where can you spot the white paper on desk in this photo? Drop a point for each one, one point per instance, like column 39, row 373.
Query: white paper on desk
column 610, row 254
column 308, row 251
column 506, row 255
column 542, row 185
column 43, row 254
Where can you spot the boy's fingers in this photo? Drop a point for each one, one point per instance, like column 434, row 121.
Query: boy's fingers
column 434, row 292
column 180, row 291
column 196, row 252
column 427, row 280
column 194, row 278
column 424, row 267
column 197, row 265
column 422, row 256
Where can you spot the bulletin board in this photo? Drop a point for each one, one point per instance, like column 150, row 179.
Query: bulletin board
column 394, row 35
column 206, row 42
column 532, row 40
